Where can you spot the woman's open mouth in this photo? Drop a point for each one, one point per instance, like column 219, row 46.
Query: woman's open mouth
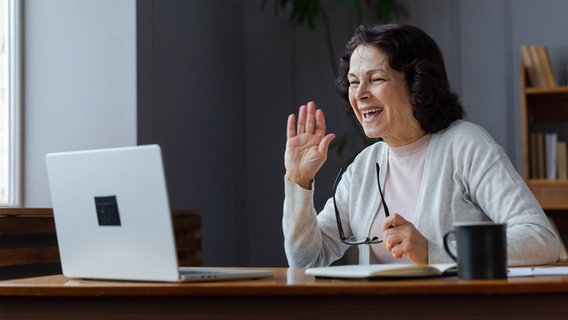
column 371, row 113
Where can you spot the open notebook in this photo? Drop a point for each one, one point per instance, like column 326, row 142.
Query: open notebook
column 384, row 271
column 113, row 219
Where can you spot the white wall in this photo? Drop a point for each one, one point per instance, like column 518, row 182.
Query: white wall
column 79, row 80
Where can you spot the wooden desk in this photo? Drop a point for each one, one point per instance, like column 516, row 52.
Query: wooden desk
column 289, row 295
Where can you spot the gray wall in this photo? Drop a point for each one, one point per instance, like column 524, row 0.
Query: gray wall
column 217, row 79
column 216, row 82
column 191, row 102
column 481, row 43
column 277, row 68
column 480, row 40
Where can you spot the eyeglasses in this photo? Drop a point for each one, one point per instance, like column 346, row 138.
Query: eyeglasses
column 354, row 241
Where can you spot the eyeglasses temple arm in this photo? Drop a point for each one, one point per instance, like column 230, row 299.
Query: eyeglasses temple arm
column 387, row 213
column 337, row 216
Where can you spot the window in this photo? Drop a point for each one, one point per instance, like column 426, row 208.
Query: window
column 10, row 103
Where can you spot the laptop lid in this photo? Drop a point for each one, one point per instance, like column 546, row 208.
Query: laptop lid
column 112, row 214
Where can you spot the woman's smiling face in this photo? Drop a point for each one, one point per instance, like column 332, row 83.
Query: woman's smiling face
column 380, row 98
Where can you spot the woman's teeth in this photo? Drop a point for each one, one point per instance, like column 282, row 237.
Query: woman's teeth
column 371, row 111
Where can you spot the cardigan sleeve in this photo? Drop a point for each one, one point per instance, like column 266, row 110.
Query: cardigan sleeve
column 470, row 178
column 506, row 198
column 310, row 240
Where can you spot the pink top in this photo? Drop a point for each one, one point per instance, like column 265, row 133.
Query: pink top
column 401, row 190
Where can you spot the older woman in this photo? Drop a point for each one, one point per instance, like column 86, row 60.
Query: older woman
column 429, row 170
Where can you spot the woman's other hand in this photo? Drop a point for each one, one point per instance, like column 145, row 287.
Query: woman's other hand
column 306, row 145
column 401, row 238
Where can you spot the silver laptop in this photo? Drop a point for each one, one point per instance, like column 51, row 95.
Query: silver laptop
column 113, row 219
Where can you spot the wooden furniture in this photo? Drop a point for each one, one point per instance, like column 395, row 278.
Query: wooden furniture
column 544, row 109
column 187, row 232
column 28, row 242
column 289, row 295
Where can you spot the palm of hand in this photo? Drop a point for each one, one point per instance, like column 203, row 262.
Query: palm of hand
column 306, row 145
column 303, row 151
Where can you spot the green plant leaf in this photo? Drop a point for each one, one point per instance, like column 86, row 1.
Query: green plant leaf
column 305, row 12
column 384, row 10
column 351, row 3
column 387, row 10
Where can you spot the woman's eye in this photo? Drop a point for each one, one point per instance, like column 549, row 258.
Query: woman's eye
column 353, row 83
column 377, row 79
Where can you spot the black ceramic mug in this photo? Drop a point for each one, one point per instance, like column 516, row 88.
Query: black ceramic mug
column 481, row 250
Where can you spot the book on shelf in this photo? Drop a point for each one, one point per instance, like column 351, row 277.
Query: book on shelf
column 562, row 160
column 541, row 153
column 547, row 156
column 539, row 66
column 546, row 65
column 534, row 155
column 542, row 81
column 550, row 145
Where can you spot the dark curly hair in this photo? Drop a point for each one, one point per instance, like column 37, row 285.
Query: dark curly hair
column 414, row 53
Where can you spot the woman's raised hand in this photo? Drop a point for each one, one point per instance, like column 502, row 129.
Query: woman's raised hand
column 306, row 144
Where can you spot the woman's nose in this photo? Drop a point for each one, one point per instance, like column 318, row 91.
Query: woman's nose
column 362, row 92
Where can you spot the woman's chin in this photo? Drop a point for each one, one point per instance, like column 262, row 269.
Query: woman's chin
column 372, row 134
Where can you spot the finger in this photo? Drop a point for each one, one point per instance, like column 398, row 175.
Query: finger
column 301, row 120
column 324, row 144
column 388, row 223
column 291, row 126
column 392, row 238
column 392, row 221
column 311, row 117
column 397, row 252
column 320, row 123
column 391, row 250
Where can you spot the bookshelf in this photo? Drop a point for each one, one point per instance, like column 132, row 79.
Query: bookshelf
column 544, row 109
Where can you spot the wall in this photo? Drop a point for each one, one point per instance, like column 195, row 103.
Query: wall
column 217, row 80
column 481, row 43
column 191, row 102
column 268, row 69
column 79, row 80
column 285, row 67
column 541, row 23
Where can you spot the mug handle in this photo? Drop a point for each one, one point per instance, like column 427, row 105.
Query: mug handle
column 447, row 247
